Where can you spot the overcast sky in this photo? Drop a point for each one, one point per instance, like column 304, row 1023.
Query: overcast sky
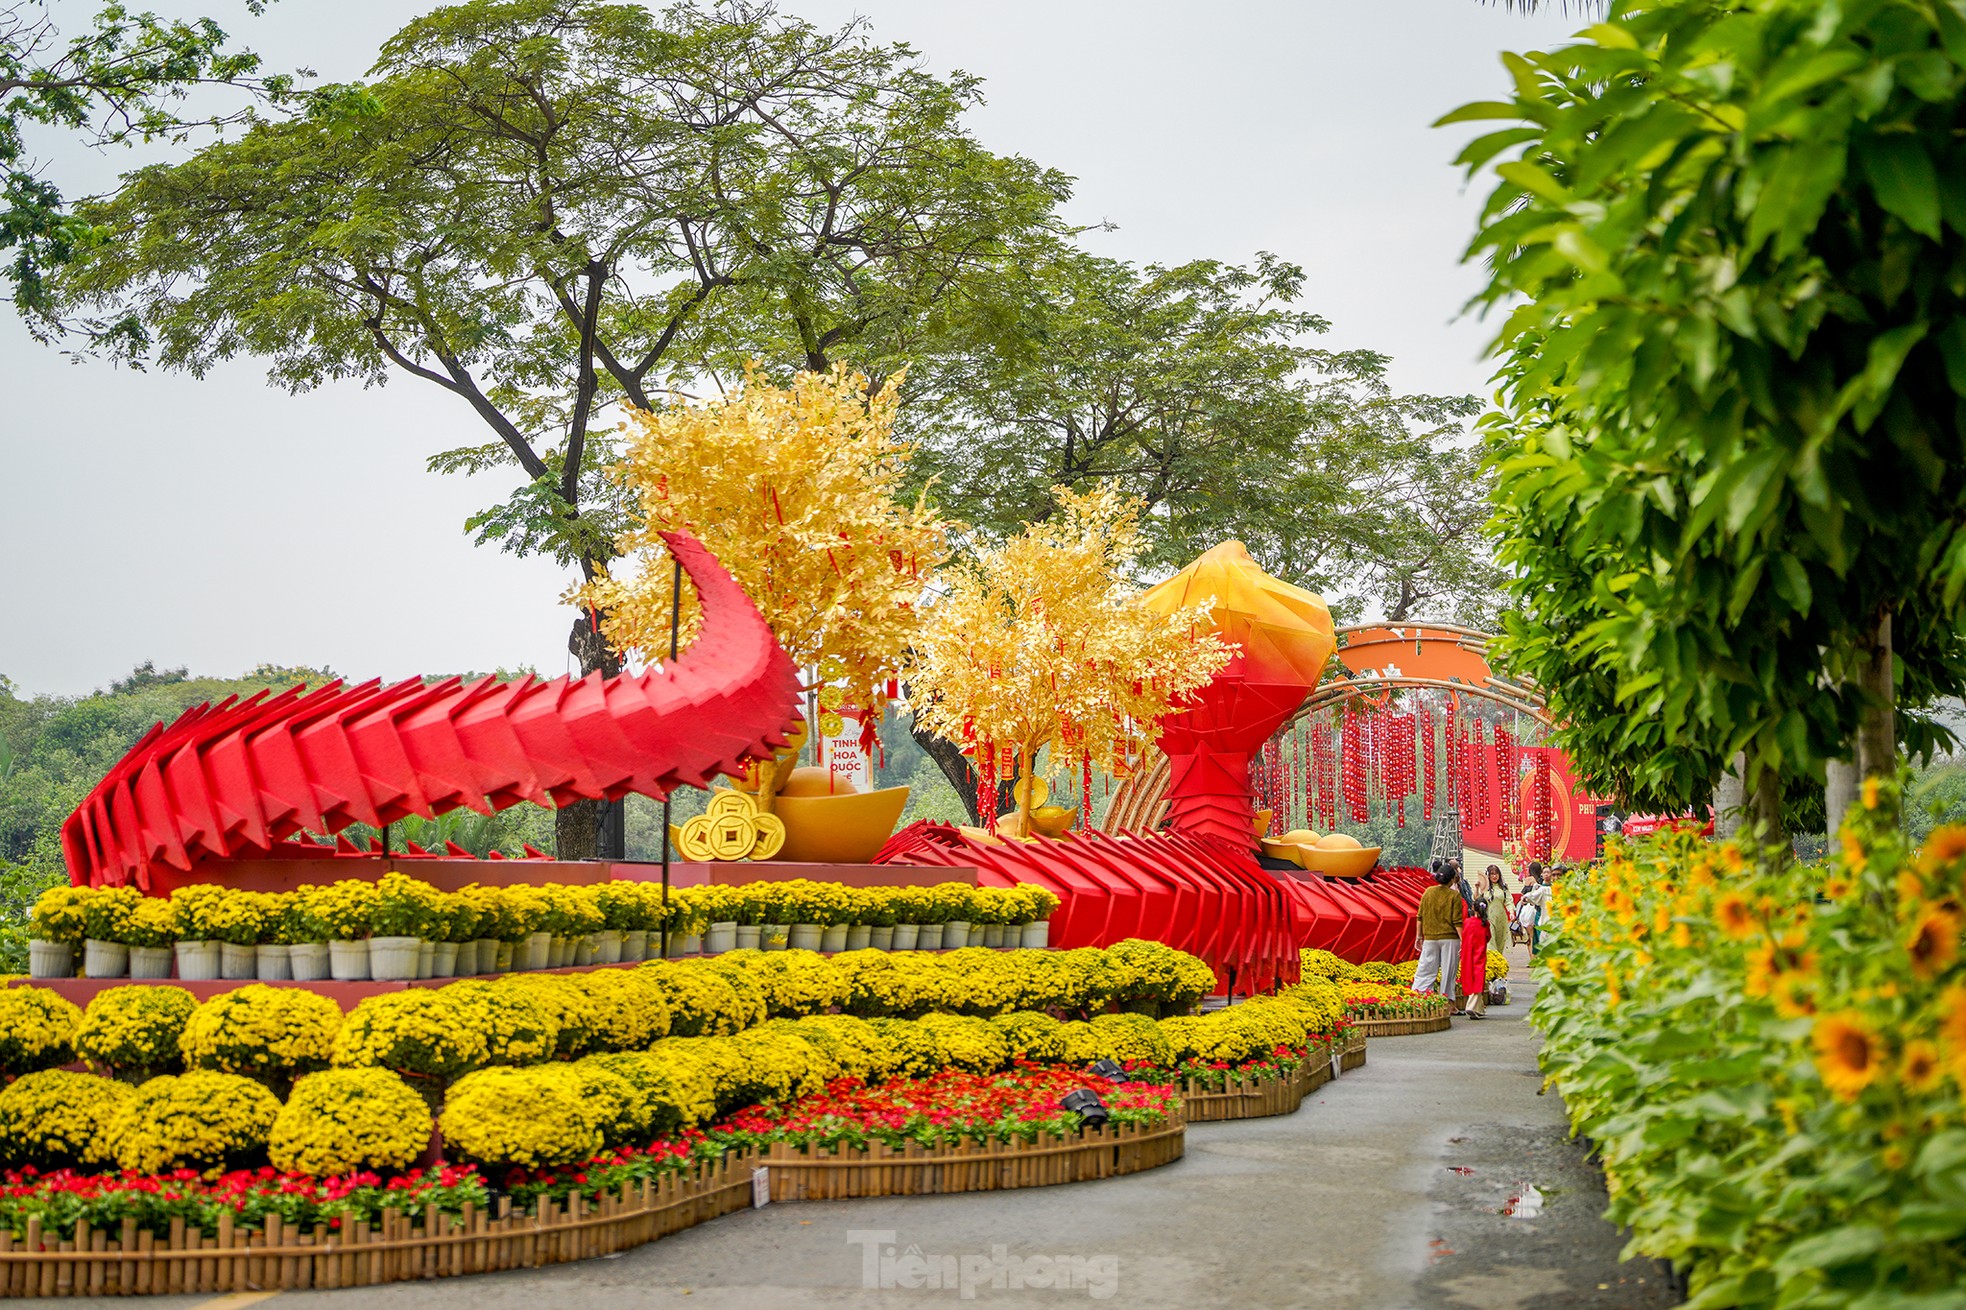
column 222, row 524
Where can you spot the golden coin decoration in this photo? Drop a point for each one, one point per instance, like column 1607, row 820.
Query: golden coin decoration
column 730, row 829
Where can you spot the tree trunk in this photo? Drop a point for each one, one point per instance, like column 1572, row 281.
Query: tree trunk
column 1765, row 812
column 1730, row 798
column 591, row 830
column 954, row 767
column 1877, row 728
column 1839, row 794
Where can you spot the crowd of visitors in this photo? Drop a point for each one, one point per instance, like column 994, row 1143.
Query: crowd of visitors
column 1459, row 921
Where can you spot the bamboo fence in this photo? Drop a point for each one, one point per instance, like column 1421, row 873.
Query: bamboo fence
column 1403, row 1027
column 1257, row 1097
column 1352, row 1054
column 96, row 1262
column 797, row 1173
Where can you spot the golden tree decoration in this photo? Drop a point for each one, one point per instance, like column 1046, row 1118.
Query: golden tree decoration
column 796, row 491
column 1043, row 643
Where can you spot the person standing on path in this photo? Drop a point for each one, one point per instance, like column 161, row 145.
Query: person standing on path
column 1494, row 904
column 1534, row 906
column 1439, row 935
column 1474, row 961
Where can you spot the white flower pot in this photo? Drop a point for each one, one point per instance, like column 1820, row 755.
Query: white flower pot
column 50, row 959
column 394, row 959
column 806, row 936
column 906, row 935
column 834, row 938
column 426, row 959
column 502, row 959
column 992, row 935
column 681, row 944
column 880, row 937
column 273, row 962
column 721, row 937
column 484, row 955
column 348, row 961
column 634, row 945
column 1036, row 936
column 443, row 959
column 607, row 946
column 586, row 949
column 930, row 937
column 773, row 936
column 859, row 937
column 235, row 961
column 308, row 961
column 197, row 961
column 105, row 959
column 150, row 962
column 748, row 936
column 955, row 935
column 557, row 951
column 539, row 952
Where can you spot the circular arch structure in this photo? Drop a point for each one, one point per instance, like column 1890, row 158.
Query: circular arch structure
column 1373, row 657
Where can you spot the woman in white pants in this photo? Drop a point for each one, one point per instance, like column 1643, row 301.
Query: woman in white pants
column 1438, row 935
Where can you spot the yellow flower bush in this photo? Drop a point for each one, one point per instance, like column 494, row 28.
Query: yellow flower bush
column 1323, row 964
column 917, row 1050
column 106, row 914
column 796, row 982
column 859, row 1046
column 533, row 1117
column 341, row 909
column 701, row 1003
column 201, row 1121
column 713, row 1059
column 152, row 923
column 60, row 914
column 627, row 1011
column 517, row 1029
column 568, row 1007
column 673, row 1092
column 419, row 1031
column 271, row 1033
column 1389, row 971
column 621, row 1113
column 1322, row 1000
column 969, row 1043
column 55, row 1119
column 37, row 1030
column 1031, row 1035
column 341, row 1120
column 779, row 1064
column 1497, row 966
column 134, row 1032
column 1174, row 980
column 1121, row 1037
column 752, row 1007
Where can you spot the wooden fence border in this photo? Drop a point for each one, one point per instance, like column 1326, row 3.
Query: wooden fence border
column 397, row 1249
column 1404, row 1027
column 1352, row 1054
column 1258, row 1097
column 798, row 1173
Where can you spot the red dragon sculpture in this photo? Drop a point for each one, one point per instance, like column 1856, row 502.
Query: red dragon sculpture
column 237, row 779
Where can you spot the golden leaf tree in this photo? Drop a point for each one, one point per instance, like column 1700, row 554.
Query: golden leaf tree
column 796, row 490
column 1043, row 643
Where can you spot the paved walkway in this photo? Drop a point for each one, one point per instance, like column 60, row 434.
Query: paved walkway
column 1385, row 1192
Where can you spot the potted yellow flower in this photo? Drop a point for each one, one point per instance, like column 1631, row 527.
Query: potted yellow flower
column 931, row 917
column 904, row 905
column 1035, row 917
column 306, row 936
column 958, row 904
column 343, row 910
column 804, row 911
column 239, row 921
column 56, row 927
column 106, row 919
column 877, row 910
column 151, row 929
column 718, row 906
column 531, row 936
column 401, row 916
column 195, row 908
column 838, row 907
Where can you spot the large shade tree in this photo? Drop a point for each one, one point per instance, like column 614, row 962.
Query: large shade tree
column 1733, row 478
column 1198, row 390
column 547, row 206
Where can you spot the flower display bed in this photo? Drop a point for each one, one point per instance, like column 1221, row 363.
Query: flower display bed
column 1406, row 1027
column 1351, row 1050
column 284, row 1257
column 1259, row 1095
column 803, row 1173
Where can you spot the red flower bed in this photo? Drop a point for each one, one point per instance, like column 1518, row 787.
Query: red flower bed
column 947, row 1108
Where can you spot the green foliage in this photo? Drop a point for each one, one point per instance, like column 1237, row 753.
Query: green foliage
column 547, row 206
column 124, row 79
column 1769, row 1062
column 1732, row 436
column 1192, row 388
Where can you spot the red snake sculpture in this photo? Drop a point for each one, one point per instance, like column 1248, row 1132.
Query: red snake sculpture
column 237, row 779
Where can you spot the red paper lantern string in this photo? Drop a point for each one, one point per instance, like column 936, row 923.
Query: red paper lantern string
column 1509, row 766
column 1542, row 809
column 1426, row 762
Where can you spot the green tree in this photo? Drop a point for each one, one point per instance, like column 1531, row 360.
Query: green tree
column 1193, row 388
column 548, row 206
column 1732, row 479
column 123, row 80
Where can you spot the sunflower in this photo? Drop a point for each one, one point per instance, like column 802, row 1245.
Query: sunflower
column 1792, row 997
column 1761, row 970
column 1870, row 793
column 1611, row 994
column 1836, row 886
column 1919, row 1068
column 1731, row 858
column 1854, row 854
column 1735, row 918
column 1662, row 919
column 1952, row 1022
column 1848, row 1054
column 1682, row 936
column 1944, row 846
column 1934, row 942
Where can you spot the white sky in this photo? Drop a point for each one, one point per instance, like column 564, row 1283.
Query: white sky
column 222, row 524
